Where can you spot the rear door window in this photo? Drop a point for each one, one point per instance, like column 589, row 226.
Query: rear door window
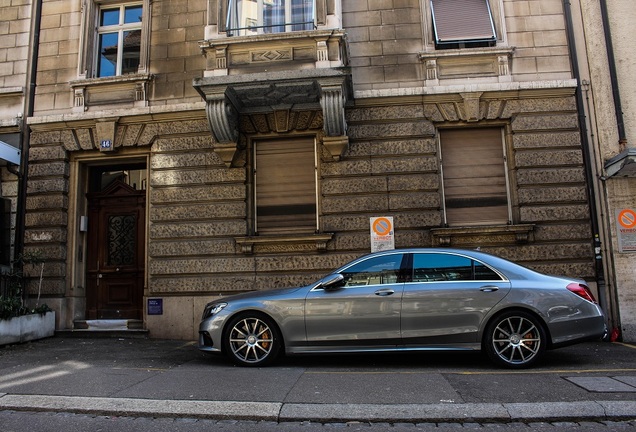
column 434, row 267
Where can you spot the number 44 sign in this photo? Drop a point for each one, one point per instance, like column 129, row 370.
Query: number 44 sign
column 626, row 230
column 382, row 233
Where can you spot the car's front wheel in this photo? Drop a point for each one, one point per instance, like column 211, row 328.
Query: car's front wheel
column 252, row 340
column 515, row 339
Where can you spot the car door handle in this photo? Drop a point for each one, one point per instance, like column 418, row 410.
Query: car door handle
column 384, row 292
column 489, row 288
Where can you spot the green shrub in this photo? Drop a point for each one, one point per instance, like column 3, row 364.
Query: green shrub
column 12, row 302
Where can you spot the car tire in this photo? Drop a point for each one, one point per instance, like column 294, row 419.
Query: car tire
column 515, row 339
column 252, row 339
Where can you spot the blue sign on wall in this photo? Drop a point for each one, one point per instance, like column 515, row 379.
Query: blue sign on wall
column 155, row 306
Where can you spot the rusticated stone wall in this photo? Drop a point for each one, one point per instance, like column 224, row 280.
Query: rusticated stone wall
column 391, row 168
column 199, row 206
column 46, row 219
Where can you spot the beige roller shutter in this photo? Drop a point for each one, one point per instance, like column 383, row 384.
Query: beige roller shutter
column 456, row 21
column 475, row 191
column 285, row 192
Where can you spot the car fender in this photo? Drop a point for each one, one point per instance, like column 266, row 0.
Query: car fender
column 287, row 315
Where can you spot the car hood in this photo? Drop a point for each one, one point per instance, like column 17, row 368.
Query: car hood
column 258, row 294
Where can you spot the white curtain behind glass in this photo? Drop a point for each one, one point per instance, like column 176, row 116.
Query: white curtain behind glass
column 247, row 17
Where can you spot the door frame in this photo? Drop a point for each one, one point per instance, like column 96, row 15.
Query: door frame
column 80, row 165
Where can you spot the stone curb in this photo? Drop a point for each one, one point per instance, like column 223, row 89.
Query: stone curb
column 143, row 407
column 469, row 412
column 325, row 413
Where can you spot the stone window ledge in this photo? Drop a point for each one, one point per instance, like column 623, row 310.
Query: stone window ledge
column 11, row 91
column 129, row 89
column 482, row 235
column 284, row 242
column 472, row 62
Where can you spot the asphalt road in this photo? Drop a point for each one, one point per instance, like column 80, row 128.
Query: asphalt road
column 96, row 380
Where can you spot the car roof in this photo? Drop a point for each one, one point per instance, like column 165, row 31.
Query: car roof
column 510, row 268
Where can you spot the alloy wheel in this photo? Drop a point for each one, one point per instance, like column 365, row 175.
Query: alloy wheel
column 515, row 340
column 252, row 341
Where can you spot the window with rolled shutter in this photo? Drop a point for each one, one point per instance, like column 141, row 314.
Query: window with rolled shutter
column 474, row 177
column 285, row 186
column 462, row 23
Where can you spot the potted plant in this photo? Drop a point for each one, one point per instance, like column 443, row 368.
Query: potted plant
column 19, row 323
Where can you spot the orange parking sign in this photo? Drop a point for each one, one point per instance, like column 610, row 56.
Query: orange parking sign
column 626, row 230
column 382, row 226
column 382, row 233
column 627, row 218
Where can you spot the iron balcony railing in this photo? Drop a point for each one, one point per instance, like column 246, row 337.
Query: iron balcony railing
column 241, row 31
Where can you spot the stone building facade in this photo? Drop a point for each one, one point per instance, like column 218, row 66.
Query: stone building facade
column 15, row 78
column 182, row 150
column 607, row 62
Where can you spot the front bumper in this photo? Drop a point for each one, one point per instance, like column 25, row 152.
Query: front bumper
column 206, row 343
column 210, row 332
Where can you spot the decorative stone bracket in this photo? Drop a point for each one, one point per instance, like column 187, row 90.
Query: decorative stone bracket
column 470, row 111
column 223, row 120
column 105, row 129
column 315, row 89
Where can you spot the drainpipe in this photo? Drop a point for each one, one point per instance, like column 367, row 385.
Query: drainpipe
column 34, row 43
column 611, row 60
column 587, row 159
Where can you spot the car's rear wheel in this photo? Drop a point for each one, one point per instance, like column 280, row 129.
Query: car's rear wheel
column 252, row 340
column 515, row 339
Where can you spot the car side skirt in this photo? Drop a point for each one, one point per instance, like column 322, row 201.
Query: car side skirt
column 379, row 349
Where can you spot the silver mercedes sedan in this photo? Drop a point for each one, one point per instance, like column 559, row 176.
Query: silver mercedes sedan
column 410, row 299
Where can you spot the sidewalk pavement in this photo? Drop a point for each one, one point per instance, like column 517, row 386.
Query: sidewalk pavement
column 159, row 378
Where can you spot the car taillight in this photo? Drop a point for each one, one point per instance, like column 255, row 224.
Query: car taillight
column 582, row 291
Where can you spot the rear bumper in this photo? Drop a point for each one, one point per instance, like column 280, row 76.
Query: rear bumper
column 571, row 332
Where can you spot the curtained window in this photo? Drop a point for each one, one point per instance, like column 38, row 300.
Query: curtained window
column 247, row 17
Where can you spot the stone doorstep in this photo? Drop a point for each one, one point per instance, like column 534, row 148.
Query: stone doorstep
column 91, row 324
column 83, row 328
column 124, row 334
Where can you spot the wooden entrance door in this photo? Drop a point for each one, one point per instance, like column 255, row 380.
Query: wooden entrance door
column 115, row 266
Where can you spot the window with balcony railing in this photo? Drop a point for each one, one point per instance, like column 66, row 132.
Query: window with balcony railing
column 252, row 17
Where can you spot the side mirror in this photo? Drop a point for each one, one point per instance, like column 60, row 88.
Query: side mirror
column 332, row 281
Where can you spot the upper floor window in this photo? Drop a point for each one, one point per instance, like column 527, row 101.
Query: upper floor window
column 249, row 17
column 462, row 24
column 474, row 175
column 118, row 39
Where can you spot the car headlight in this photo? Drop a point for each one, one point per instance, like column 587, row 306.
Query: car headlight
column 212, row 309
